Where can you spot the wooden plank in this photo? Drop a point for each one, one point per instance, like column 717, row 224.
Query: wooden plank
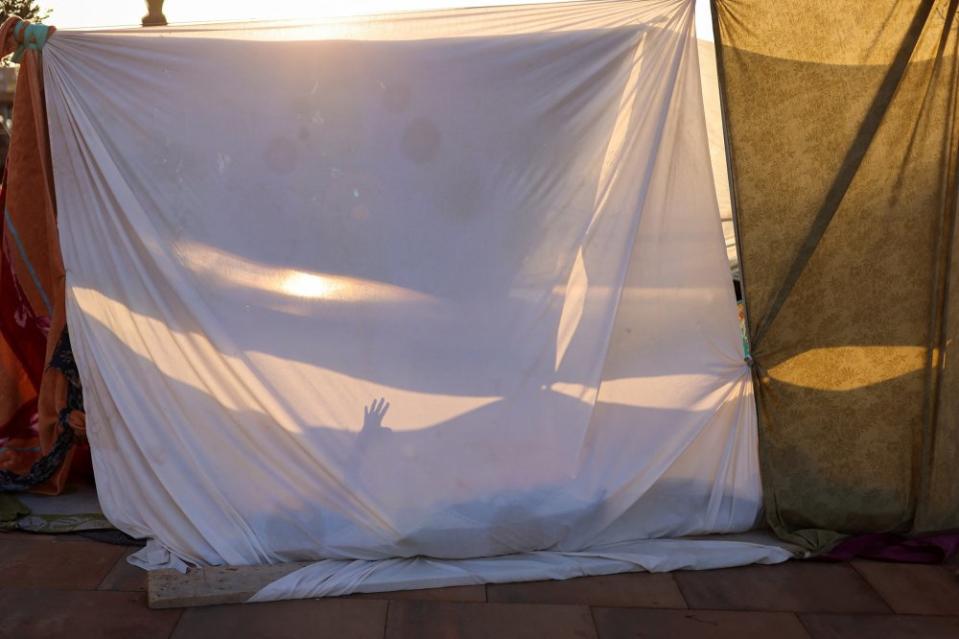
column 212, row 585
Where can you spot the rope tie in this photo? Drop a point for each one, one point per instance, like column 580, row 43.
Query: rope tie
column 30, row 36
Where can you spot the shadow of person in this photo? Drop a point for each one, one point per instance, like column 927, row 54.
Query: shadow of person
column 373, row 416
column 371, row 431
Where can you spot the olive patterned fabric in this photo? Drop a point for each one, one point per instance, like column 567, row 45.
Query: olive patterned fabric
column 841, row 119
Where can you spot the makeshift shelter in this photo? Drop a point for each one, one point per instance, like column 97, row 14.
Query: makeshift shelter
column 844, row 140
column 503, row 222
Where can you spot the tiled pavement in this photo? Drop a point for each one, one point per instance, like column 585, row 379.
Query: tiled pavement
column 53, row 587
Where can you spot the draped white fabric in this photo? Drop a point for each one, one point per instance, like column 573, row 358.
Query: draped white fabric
column 501, row 221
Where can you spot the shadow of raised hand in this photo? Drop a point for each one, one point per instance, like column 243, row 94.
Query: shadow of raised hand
column 373, row 415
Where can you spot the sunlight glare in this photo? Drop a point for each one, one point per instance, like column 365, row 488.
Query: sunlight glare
column 227, row 269
column 307, row 285
column 71, row 14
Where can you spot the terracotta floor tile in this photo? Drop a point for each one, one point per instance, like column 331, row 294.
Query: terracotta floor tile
column 622, row 623
column 913, row 589
column 312, row 618
column 435, row 620
column 454, row 593
column 880, row 627
column 49, row 614
column 124, row 576
column 641, row 589
column 793, row 586
column 55, row 561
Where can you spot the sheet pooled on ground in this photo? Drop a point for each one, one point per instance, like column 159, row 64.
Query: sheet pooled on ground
column 501, row 221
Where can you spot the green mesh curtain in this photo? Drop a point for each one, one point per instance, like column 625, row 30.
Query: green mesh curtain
column 842, row 129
